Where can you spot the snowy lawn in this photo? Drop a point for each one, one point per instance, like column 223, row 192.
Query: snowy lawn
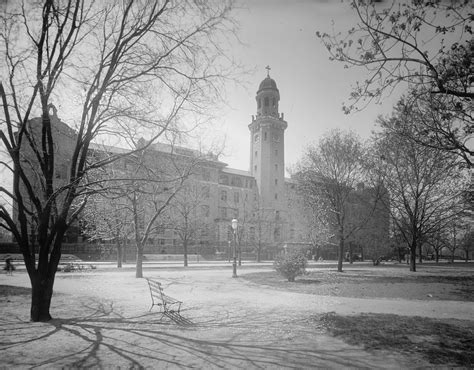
column 101, row 319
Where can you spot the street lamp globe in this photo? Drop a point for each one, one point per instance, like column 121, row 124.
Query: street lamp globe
column 235, row 223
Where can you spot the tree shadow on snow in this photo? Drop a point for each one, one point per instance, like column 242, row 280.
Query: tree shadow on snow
column 211, row 337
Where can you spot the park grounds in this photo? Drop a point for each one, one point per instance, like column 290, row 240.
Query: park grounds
column 365, row 317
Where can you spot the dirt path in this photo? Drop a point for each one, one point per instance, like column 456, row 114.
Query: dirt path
column 225, row 323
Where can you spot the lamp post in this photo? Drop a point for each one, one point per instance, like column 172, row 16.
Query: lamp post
column 235, row 223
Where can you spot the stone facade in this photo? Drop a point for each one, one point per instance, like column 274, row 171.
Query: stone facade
column 270, row 211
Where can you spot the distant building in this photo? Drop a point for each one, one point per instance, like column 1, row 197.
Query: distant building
column 270, row 211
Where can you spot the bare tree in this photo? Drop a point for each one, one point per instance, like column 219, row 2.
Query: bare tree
column 427, row 45
column 425, row 185
column 106, row 217
column 116, row 67
column 186, row 213
column 437, row 242
column 157, row 180
column 438, row 122
column 328, row 176
column 407, row 42
column 263, row 223
column 467, row 243
column 316, row 220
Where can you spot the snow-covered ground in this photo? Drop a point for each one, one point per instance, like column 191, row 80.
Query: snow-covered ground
column 101, row 319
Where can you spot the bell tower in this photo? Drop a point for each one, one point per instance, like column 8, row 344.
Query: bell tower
column 267, row 161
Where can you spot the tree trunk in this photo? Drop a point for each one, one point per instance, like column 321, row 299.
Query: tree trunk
column 124, row 250
column 259, row 257
column 139, row 264
column 119, row 253
column 41, row 294
column 413, row 257
column 340, row 255
column 185, row 251
column 420, row 255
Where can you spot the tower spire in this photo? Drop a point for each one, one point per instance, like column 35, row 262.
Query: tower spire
column 268, row 70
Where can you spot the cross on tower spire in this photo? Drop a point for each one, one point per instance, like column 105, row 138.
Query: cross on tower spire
column 268, row 70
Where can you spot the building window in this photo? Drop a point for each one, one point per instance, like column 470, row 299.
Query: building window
column 223, row 212
column 205, row 210
column 235, row 212
column 276, row 152
column 255, row 168
column 224, row 195
column 276, row 234
column 277, row 215
column 276, row 181
column 274, row 102
column 252, row 234
column 206, row 175
column 276, row 196
column 259, row 102
column 256, row 154
column 205, row 191
column 224, row 180
column 276, row 167
column 236, row 181
column 236, row 198
column 265, row 136
column 267, row 103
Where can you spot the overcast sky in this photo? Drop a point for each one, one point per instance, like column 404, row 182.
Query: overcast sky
column 312, row 88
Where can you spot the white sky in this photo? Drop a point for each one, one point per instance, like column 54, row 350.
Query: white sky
column 312, row 88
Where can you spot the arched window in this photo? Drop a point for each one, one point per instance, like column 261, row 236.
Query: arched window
column 274, row 102
column 267, row 103
column 259, row 102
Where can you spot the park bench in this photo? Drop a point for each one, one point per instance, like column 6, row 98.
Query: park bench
column 159, row 298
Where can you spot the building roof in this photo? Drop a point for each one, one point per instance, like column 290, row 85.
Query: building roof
column 267, row 83
column 234, row 171
column 107, row 148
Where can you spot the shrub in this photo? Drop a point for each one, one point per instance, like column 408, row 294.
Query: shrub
column 291, row 265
